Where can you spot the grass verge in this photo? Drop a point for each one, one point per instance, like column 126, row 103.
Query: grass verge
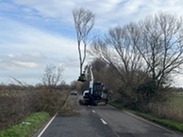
column 27, row 127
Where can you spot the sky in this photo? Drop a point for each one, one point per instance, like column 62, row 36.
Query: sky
column 37, row 33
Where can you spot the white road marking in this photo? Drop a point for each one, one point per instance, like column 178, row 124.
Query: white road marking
column 40, row 134
column 105, row 123
column 93, row 111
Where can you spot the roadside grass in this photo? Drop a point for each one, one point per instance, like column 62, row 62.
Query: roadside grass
column 27, row 127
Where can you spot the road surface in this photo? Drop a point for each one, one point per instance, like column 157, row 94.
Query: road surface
column 104, row 121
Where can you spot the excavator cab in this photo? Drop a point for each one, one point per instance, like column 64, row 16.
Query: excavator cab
column 97, row 90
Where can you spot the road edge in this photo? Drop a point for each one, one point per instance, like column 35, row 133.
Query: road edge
column 43, row 128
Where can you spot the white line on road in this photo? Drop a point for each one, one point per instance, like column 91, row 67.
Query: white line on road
column 105, row 123
column 40, row 134
column 93, row 111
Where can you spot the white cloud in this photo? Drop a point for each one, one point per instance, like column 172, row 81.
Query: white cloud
column 25, row 47
column 26, row 38
column 57, row 8
column 26, row 64
column 108, row 12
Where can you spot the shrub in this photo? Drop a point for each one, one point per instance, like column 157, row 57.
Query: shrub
column 16, row 102
column 14, row 105
column 52, row 101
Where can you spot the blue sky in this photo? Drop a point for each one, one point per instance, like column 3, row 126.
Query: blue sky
column 35, row 33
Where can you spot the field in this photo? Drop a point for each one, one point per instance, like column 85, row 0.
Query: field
column 177, row 100
column 171, row 109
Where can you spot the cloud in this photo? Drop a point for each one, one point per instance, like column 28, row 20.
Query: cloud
column 108, row 12
column 26, row 48
column 26, row 64
column 21, row 37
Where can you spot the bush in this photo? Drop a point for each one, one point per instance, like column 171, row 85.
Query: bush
column 52, row 101
column 14, row 105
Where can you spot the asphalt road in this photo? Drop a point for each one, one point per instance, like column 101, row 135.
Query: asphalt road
column 104, row 121
column 86, row 124
column 125, row 124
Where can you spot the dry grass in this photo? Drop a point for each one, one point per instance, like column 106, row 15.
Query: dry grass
column 166, row 110
column 171, row 109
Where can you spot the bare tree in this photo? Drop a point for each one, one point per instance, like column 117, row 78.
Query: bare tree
column 52, row 76
column 161, row 46
column 118, row 49
column 84, row 21
column 144, row 54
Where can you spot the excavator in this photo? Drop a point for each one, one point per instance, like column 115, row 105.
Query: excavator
column 96, row 91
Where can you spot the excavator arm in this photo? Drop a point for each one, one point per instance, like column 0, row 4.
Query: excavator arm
column 94, row 93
